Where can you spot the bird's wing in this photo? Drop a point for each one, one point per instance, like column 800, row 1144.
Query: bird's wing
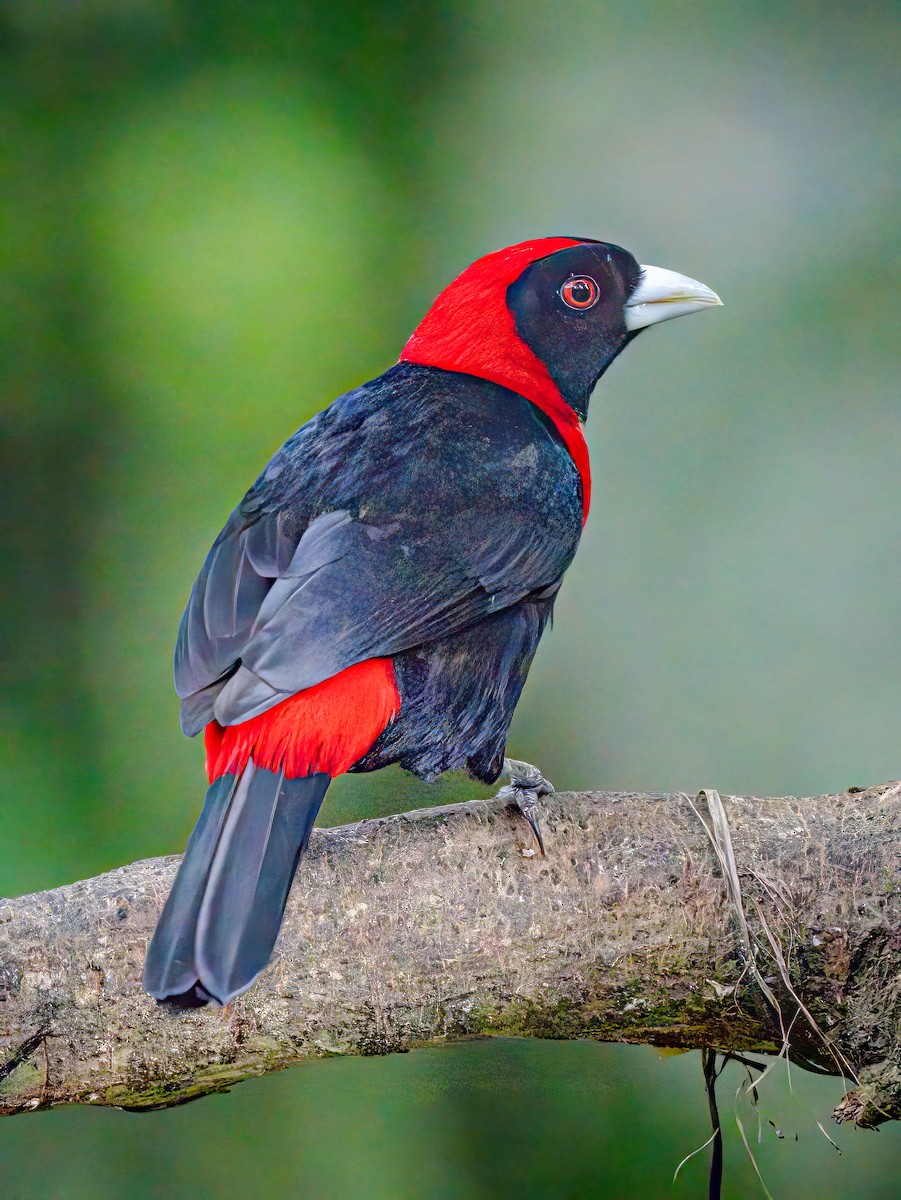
column 258, row 630
column 236, row 577
column 405, row 511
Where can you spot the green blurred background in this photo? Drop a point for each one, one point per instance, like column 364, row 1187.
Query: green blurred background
column 218, row 216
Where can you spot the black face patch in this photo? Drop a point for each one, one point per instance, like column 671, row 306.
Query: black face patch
column 568, row 309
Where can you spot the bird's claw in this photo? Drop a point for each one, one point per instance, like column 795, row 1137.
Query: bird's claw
column 527, row 785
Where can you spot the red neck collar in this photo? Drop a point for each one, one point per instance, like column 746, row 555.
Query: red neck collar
column 470, row 329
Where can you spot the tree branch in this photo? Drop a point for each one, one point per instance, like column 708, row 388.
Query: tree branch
column 444, row 924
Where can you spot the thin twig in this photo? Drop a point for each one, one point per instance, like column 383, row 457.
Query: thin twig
column 715, row 1179
column 721, row 841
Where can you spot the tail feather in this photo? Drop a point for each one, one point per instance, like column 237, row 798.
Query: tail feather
column 222, row 917
column 169, row 966
column 268, row 828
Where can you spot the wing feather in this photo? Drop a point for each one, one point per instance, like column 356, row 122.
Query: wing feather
column 401, row 550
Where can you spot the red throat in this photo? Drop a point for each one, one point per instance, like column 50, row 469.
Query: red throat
column 470, row 329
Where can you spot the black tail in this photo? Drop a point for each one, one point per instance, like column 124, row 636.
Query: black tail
column 223, row 914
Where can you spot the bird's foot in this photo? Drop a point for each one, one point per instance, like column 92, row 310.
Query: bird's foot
column 527, row 785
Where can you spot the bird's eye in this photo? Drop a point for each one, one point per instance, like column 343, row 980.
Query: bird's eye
column 580, row 292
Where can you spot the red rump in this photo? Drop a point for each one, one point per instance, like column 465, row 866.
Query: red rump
column 469, row 328
column 323, row 728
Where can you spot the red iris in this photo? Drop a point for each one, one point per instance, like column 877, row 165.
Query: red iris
column 580, row 292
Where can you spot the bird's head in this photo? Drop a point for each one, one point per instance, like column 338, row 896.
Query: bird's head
column 546, row 318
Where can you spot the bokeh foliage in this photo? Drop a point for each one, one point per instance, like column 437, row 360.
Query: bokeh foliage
column 217, row 216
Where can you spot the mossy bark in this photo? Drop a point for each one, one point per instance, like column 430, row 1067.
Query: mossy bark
column 445, row 924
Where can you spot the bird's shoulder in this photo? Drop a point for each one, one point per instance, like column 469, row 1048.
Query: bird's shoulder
column 424, row 441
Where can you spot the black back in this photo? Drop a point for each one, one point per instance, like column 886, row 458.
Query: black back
column 409, row 511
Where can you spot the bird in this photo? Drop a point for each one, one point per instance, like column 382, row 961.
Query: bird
column 379, row 593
